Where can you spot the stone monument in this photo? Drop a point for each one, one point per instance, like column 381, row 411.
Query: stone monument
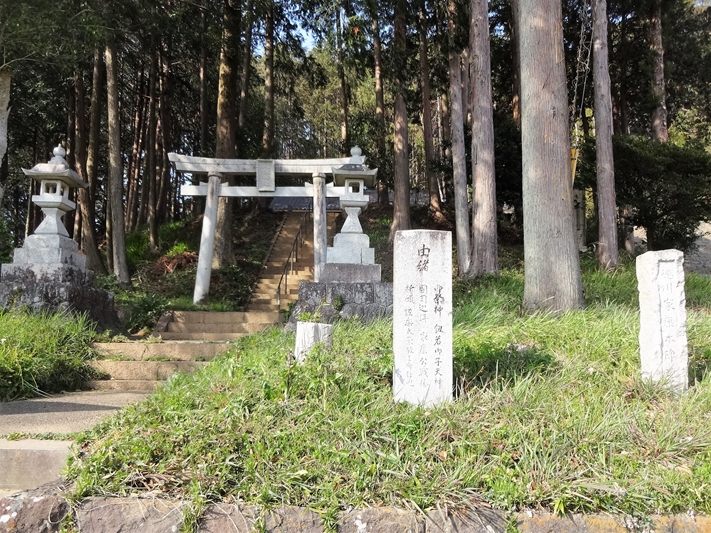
column 662, row 309
column 49, row 272
column 422, row 317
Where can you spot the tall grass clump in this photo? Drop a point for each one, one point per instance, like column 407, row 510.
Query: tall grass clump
column 549, row 412
column 43, row 352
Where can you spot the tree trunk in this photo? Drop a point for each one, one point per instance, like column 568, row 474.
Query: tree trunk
column 343, row 89
column 435, row 209
column 552, row 266
column 120, row 262
column 223, row 254
column 446, row 111
column 133, row 173
column 383, row 197
column 659, row 114
column 268, row 135
column 150, row 170
column 459, row 164
column 5, row 79
column 401, row 205
column 246, row 72
column 607, row 251
column 70, row 146
column 166, row 119
column 516, row 70
column 97, row 84
column 86, row 201
column 203, row 87
column 484, row 239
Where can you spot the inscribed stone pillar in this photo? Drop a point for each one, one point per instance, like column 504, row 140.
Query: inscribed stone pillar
column 662, row 330
column 422, row 317
column 207, row 239
column 320, row 224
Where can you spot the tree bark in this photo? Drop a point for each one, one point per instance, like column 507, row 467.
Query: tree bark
column 459, row 164
column 268, row 135
column 607, row 251
column 5, row 79
column 435, row 209
column 343, row 89
column 401, row 204
column 86, row 200
column 223, row 254
column 165, row 106
column 383, row 197
column 552, row 266
column 203, row 87
column 246, row 72
column 484, row 239
column 120, row 262
column 133, row 173
column 516, row 70
column 149, row 173
column 659, row 114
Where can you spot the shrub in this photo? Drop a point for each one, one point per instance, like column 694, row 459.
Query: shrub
column 667, row 186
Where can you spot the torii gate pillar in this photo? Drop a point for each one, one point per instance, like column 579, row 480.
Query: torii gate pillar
column 320, row 224
column 207, row 238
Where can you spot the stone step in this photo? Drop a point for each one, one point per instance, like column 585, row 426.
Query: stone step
column 266, row 307
column 192, row 327
column 145, row 370
column 171, row 350
column 206, row 317
column 124, row 384
column 206, row 336
column 29, row 463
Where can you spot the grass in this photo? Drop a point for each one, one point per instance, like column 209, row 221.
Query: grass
column 549, row 413
column 43, row 353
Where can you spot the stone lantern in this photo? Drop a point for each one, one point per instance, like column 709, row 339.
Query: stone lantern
column 351, row 246
column 49, row 252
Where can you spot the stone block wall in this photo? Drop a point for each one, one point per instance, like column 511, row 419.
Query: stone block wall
column 333, row 300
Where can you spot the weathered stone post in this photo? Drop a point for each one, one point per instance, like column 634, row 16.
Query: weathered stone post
column 662, row 318
column 320, row 224
column 207, row 238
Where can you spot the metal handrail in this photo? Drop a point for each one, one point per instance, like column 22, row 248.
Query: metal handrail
column 293, row 257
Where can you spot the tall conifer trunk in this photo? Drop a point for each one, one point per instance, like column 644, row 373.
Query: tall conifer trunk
column 223, row 254
column 401, row 205
column 552, row 267
column 459, row 165
column 86, row 200
column 484, row 239
column 435, row 208
column 659, row 114
column 120, row 262
column 607, row 251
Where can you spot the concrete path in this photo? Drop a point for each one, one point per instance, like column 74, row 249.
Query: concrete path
column 61, row 414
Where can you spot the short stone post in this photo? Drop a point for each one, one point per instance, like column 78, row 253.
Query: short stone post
column 207, row 239
column 422, row 317
column 308, row 334
column 320, row 224
column 662, row 309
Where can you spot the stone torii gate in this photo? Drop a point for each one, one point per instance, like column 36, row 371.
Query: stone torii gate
column 265, row 171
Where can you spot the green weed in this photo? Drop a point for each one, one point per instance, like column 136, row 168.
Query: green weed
column 43, row 353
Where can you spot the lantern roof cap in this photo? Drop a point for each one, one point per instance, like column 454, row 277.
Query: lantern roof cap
column 56, row 169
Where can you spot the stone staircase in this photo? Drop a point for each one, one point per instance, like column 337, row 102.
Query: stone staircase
column 187, row 340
